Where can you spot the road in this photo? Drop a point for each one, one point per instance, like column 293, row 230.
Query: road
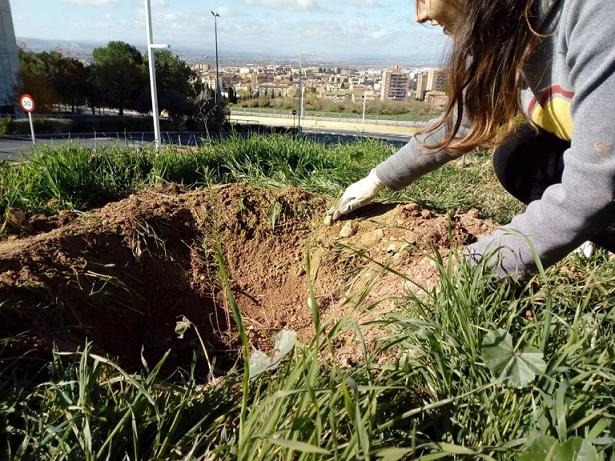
column 13, row 148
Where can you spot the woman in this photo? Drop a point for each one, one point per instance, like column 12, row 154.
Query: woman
column 553, row 61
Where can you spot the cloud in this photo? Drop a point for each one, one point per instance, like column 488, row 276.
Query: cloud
column 295, row 5
column 227, row 12
column 377, row 34
column 91, row 2
column 368, row 3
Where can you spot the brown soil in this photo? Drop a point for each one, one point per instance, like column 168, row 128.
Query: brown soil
column 124, row 274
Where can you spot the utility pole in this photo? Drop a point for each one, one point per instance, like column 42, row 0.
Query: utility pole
column 216, row 16
column 364, row 102
column 302, row 90
column 151, row 46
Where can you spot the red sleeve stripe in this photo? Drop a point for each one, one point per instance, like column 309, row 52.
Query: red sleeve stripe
column 548, row 95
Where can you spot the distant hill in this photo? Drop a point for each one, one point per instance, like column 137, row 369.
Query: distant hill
column 83, row 50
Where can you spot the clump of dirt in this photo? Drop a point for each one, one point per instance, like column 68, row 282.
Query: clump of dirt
column 124, row 274
column 17, row 224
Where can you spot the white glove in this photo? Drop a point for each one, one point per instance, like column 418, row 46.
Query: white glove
column 357, row 195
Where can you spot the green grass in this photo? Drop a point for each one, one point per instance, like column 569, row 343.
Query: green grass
column 440, row 382
column 74, row 177
column 436, row 397
column 79, row 178
column 410, row 109
column 461, row 186
column 402, row 117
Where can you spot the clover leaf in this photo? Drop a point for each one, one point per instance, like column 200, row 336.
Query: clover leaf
column 515, row 368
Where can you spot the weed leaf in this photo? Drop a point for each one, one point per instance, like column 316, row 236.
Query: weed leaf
column 301, row 447
column 548, row 448
column 516, row 368
column 393, row 454
column 284, row 342
column 260, row 362
column 181, row 326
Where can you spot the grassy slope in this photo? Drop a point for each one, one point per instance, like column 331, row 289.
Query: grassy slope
column 403, row 117
column 73, row 177
column 442, row 395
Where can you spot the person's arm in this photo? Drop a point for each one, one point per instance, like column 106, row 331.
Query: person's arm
column 583, row 204
column 411, row 162
column 399, row 170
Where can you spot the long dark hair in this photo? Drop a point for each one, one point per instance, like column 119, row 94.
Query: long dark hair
column 491, row 45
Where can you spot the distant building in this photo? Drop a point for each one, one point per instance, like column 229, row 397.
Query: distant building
column 436, row 99
column 395, row 84
column 436, row 80
column 421, row 85
column 433, row 79
column 201, row 68
column 9, row 60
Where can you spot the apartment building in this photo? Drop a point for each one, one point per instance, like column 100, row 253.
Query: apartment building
column 395, row 84
column 433, row 79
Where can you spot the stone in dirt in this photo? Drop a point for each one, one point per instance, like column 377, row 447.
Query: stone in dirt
column 124, row 274
column 349, row 229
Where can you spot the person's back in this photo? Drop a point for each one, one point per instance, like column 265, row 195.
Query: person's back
column 552, row 60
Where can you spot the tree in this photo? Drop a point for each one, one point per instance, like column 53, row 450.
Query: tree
column 92, row 90
column 36, row 76
column 71, row 81
column 178, row 86
column 232, row 97
column 120, row 74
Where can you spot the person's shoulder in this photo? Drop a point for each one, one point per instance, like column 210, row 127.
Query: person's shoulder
column 590, row 17
column 584, row 8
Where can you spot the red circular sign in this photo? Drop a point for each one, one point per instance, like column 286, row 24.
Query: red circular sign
column 27, row 103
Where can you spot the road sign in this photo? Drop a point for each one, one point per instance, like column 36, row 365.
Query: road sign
column 27, row 103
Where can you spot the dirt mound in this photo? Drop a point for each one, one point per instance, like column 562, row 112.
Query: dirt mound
column 122, row 275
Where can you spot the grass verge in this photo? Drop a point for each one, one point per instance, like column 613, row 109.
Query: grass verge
column 440, row 394
column 474, row 369
column 79, row 178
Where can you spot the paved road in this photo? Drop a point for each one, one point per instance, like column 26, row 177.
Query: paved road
column 13, row 148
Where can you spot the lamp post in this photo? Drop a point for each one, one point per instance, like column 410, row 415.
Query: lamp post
column 302, row 92
column 363, row 119
column 216, row 16
column 152, row 70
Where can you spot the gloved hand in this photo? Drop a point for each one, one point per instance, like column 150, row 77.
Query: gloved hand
column 357, row 195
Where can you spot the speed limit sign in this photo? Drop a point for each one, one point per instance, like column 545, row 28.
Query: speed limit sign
column 27, row 103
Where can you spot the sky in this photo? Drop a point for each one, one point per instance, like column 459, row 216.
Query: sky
column 328, row 28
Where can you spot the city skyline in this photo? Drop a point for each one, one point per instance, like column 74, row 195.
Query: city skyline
column 350, row 28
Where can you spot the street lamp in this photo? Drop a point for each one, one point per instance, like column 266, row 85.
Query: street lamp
column 363, row 120
column 302, row 91
column 216, row 16
column 151, row 46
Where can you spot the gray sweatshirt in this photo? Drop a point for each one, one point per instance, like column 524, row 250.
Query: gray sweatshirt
column 571, row 93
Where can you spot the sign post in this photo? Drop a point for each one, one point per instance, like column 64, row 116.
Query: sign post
column 27, row 104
